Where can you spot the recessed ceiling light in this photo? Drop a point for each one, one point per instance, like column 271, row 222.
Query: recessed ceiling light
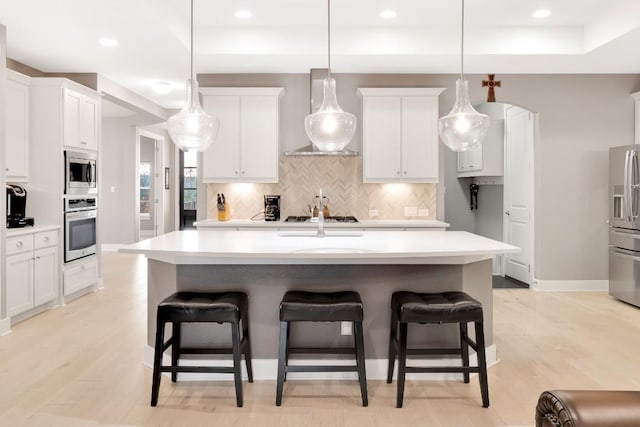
column 243, row 14
column 161, row 88
column 388, row 14
column 108, row 42
column 542, row 13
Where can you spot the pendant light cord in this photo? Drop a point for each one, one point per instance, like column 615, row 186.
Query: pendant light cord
column 329, row 39
column 191, row 46
column 461, row 45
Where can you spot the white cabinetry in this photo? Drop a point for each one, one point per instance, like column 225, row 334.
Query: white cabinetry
column 17, row 128
column 79, row 276
column 247, row 146
column 400, row 134
column 32, row 271
column 80, row 116
column 488, row 158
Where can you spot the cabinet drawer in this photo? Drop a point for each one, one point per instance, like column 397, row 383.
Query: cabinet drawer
column 19, row 244
column 80, row 277
column 46, row 239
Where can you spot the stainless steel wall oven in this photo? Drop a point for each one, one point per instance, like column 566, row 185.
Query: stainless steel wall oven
column 80, row 234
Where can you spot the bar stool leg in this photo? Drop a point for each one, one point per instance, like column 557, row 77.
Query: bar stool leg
column 237, row 359
column 284, row 345
column 286, row 357
column 175, row 349
column 362, row 374
column 157, row 362
column 402, row 363
column 393, row 332
column 464, row 348
column 247, row 346
column 482, row 364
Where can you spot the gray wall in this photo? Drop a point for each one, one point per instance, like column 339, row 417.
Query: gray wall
column 580, row 117
column 3, row 209
column 117, row 215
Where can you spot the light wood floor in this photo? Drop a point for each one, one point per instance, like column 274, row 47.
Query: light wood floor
column 80, row 365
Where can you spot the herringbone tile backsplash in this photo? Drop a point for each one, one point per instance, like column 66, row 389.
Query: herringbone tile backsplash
column 341, row 181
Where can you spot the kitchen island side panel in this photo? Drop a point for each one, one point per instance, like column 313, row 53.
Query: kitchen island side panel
column 266, row 284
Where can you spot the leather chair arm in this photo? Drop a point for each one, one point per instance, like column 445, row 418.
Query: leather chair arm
column 588, row 408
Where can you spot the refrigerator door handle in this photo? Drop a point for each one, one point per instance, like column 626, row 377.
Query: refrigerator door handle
column 627, row 185
column 630, row 235
column 633, row 185
column 625, row 254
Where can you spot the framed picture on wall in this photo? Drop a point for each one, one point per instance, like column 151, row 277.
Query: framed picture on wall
column 166, row 178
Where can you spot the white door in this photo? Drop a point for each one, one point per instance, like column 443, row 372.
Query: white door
column 221, row 161
column 518, row 192
column 420, row 138
column 19, row 283
column 88, row 126
column 259, row 138
column 382, row 135
column 72, row 101
column 45, row 275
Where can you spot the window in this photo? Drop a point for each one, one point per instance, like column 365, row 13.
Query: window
column 145, row 190
column 190, row 181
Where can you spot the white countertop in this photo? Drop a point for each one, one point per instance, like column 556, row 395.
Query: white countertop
column 28, row 230
column 302, row 247
column 380, row 223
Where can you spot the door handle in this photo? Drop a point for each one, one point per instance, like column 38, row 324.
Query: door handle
column 507, row 213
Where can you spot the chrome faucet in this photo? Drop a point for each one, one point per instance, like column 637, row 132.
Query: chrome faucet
column 320, row 232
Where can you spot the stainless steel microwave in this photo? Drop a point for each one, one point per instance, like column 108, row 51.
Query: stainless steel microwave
column 80, row 173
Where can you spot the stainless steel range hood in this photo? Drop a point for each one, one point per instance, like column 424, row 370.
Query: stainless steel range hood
column 316, row 76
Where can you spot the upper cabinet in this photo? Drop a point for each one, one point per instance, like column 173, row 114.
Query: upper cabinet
column 488, row 158
column 17, row 128
column 400, row 134
column 247, row 146
column 80, row 120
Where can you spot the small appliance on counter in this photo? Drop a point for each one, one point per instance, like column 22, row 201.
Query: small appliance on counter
column 17, row 207
column 272, row 207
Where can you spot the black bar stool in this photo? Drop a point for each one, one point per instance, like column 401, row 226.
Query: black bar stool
column 445, row 307
column 181, row 307
column 299, row 306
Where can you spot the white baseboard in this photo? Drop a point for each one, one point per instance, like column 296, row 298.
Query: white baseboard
column 570, row 285
column 5, row 326
column 267, row 369
column 111, row 247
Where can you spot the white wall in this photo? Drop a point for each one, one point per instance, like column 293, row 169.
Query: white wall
column 147, row 154
column 3, row 209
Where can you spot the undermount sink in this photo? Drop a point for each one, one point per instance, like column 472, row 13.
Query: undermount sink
column 331, row 251
column 314, row 234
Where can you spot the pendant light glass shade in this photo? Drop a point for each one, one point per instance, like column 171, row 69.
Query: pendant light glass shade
column 330, row 128
column 463, row 128
column 192, row 129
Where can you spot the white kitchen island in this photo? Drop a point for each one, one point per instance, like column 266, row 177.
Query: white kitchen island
column 267, row 263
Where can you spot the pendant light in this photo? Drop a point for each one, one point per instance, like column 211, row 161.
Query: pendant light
column 463, row 128
column 330, row 129
column 192, row 129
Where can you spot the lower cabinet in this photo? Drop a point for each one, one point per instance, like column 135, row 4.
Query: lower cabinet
column 80, row 276
column 32, row 271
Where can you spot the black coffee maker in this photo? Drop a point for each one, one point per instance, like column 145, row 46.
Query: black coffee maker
column 272, row 208
column 17, row 207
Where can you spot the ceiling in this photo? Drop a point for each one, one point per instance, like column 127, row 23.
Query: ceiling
column 501, row 36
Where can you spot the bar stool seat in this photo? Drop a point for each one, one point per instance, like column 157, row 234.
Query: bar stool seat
column 301, row 306
column 441, row 307
column 195, row 307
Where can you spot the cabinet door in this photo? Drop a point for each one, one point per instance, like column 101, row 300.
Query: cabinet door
column 17, row 144
column 19, row 283
column 71, row 117
column 474, row 159
column 259, row 138
column 45, row 275
column 88, row 126
column 420, row 138
column 221, row 161
column 382, row 135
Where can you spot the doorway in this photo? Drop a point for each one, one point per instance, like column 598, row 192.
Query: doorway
column 149, row 185
column 188, row 189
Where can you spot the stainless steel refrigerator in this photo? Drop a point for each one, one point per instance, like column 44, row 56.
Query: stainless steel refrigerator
column 624, row 221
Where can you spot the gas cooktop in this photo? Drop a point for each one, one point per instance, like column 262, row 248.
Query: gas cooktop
column 327, row 219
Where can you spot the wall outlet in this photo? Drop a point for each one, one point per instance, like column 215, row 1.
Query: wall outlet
column 346, row 328
column 373, row 212
column 423, row 212
column 410, row 211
